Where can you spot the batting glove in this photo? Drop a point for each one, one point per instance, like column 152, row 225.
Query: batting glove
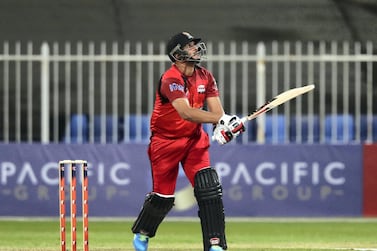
column 233, row 122
column 222, row 134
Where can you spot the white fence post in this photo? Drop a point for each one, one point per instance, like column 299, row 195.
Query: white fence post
column 45, row 94
column 261, row 88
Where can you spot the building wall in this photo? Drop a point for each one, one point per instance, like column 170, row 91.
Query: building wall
column 212, row 19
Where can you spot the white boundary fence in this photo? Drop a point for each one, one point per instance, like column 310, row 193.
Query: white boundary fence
column 108, row 90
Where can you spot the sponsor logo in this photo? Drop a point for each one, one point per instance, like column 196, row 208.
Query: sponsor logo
column 176, row 87
column 214, row 241
column 283, row 181
column 201, row 89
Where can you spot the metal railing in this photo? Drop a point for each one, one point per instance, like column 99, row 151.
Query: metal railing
column 104, row 92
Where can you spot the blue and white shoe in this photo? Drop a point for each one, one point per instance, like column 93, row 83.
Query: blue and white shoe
column 216, row 248
column 141, row 242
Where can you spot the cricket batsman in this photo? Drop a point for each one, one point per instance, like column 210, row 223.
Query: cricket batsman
column 177, row 137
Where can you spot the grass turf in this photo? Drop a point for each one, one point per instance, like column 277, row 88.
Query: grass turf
column 247, row 234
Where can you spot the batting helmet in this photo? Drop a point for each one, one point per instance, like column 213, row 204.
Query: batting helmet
column 176, row 44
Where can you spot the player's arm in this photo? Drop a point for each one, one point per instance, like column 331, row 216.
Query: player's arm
column 213, row 115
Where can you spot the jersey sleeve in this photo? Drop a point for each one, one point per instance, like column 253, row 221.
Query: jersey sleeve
column 172, row 88
column 212, row 90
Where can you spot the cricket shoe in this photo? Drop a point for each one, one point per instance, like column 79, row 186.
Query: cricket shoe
column 216, row 248
column 140, row 242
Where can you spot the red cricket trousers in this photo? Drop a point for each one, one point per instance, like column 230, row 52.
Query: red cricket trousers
column 166, row 154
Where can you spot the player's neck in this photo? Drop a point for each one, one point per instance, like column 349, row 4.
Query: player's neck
column 186, row 68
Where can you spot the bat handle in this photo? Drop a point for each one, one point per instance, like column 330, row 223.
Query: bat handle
column 244, row 119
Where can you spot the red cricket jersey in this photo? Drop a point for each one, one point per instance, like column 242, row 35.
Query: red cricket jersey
column 165, row 121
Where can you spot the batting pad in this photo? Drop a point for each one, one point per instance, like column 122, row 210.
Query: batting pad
column 208, row 193
column 154, row 210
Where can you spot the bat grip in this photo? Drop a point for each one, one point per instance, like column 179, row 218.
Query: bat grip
column 244, row 119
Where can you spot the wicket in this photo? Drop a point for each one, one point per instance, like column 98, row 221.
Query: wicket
column 72, row 165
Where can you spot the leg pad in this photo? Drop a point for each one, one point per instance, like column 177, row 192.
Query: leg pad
column 208, row 193
column 154, row 210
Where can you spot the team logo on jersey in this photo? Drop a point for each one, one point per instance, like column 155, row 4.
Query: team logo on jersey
column 176, row 87
column 201, row 89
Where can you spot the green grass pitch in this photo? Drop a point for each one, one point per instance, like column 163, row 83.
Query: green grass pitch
column 258, row 234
